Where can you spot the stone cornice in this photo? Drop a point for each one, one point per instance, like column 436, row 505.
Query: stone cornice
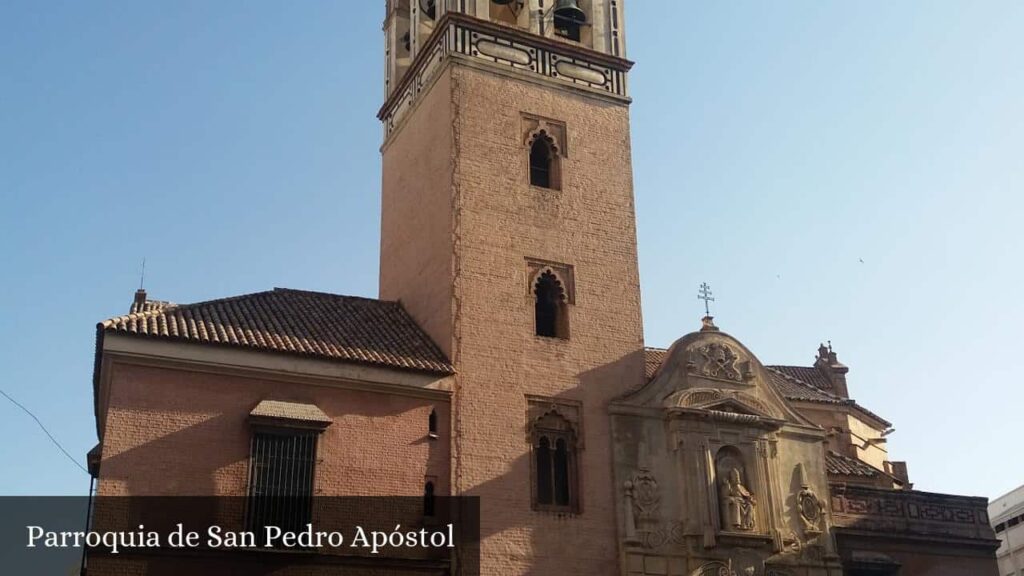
column 466, row 37
column 751, row 420
column 910, row 513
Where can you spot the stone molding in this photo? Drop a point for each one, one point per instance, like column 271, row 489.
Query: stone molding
column 460, row 36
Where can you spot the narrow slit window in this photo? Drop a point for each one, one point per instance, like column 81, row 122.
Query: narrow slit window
column 561, row 473
column 432, row 424
column 544, row 472
column 429, row 502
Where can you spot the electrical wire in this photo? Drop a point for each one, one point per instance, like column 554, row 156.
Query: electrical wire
column 52, row 439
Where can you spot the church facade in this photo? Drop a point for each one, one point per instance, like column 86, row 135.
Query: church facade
column 504, row 358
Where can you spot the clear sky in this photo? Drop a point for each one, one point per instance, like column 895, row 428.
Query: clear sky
column 234, row 145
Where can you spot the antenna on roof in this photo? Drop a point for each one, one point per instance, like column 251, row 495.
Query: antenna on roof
column 142, row 276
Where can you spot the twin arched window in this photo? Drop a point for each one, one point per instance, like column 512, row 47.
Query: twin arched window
column 554, row 465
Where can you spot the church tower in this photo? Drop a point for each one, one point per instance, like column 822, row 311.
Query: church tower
column 508, row 233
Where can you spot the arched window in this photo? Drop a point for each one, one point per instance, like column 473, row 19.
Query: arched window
column 429, row 8
column 544, row 472
column 432, row 424
column 554, row 465
column 551, row 310
column 560, row 474
column 544, row 162
column 428, row 499
column 569, row 20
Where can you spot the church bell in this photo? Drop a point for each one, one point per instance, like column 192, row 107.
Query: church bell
column 570, row 11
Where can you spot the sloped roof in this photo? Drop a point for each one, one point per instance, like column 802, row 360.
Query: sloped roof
column 840, row 465
column 797, row 389
column 299, row 322
column 296, row 411
column 653, row 358
column 806, row 374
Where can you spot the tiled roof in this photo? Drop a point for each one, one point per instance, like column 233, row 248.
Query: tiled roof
column 806, row 374
column 278, row 410
column 653, row 357
column 298, row 322
column 797, row 389
column 794, row 388
column 840, row 465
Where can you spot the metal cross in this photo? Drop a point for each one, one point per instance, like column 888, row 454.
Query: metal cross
column 705, row 295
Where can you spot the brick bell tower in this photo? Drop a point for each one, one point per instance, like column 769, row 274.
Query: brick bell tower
column 508, row 232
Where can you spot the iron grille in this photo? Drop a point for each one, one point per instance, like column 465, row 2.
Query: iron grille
column 281, row 481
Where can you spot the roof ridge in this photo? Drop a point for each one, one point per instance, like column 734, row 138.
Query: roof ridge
column 168, row 305
column 846, row 401
column 173, row 306
column 331, row 294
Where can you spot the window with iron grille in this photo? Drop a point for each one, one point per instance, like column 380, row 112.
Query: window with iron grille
column 281, row 467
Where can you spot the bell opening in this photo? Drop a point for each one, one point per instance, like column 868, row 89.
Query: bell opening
column 569, row 19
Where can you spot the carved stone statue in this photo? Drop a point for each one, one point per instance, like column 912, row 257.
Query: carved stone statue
column 737, row 503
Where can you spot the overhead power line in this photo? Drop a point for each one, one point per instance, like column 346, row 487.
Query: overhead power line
column 47, row 432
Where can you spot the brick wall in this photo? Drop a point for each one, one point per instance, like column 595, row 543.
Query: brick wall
column 416, row 216
column 497, row 221
column 182, row 432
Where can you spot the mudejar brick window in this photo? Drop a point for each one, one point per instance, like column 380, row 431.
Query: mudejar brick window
column 551, row 307
column 545, row 145
column 543, row 162
column 554, row 465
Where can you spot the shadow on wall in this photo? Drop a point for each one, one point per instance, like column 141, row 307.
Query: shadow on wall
column 549, row 539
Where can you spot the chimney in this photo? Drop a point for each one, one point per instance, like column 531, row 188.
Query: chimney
column 139, row 304
column 898, row 470
column 829, row 364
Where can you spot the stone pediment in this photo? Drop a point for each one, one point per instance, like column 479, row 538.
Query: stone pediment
column 712, row 372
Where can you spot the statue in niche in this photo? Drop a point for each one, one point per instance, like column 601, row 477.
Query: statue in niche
column 737, row 502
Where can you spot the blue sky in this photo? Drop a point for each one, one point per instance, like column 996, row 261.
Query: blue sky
column 234, row 145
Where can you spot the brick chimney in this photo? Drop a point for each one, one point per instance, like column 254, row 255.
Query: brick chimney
column 833, row 369
column 139, row 303
column 898, row 470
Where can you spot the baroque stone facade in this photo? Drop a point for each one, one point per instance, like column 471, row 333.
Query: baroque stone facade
column 505, row 357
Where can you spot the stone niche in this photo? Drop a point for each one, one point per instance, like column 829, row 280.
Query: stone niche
column 716, row 472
